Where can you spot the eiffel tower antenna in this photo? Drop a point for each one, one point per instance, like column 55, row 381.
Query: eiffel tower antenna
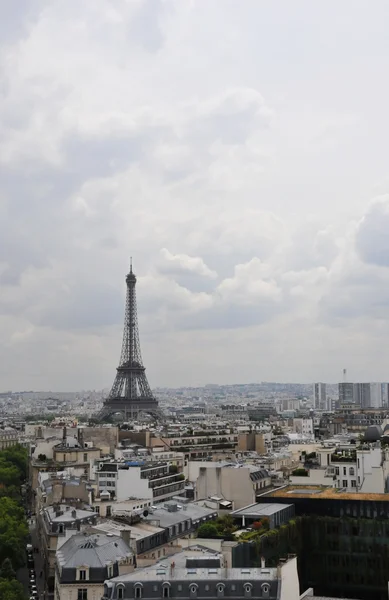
column 130, row 392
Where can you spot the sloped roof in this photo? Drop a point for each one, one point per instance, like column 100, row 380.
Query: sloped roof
column 94, row 550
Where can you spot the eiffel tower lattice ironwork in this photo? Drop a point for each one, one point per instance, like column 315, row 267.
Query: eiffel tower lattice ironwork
column 130, row 393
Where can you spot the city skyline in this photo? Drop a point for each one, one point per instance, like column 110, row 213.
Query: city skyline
column 238, row 154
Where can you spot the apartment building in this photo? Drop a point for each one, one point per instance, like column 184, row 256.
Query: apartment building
column 155, row 481
column 199, row 573
column 85, row 562
column 236, row 485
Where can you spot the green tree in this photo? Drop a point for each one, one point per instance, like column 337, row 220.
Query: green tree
column 207, row 530
column 11, row 590
column 6, row 571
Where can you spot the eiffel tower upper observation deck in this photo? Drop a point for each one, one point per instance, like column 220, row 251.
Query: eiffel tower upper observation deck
column 130, row 393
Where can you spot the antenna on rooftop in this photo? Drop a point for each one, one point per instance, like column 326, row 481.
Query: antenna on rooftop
column 344, row 375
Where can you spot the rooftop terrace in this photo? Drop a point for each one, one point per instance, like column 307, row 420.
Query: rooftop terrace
column 324, row 493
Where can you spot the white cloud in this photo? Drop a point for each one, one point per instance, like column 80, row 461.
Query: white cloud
column 211, row 147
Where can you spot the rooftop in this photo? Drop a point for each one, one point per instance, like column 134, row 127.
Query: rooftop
column 192, row 565
column 138, row 531
column 261, row 509
column 67, row 513
column 323, row 493
column 92, row 550
column 188, row 511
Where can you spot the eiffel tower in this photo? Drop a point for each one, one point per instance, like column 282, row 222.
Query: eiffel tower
column 130, row 393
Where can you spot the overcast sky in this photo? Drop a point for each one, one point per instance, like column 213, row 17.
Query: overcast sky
column 237, row 149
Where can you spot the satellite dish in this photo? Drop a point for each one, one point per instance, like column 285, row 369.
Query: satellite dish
column 145, row 513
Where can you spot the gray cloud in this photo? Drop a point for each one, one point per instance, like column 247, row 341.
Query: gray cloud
column 161, row 131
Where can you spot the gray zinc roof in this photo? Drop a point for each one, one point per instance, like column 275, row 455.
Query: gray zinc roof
column 260, row 509
column 191, row 511
column 94, row 550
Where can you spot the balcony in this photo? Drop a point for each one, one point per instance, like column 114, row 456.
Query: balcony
column 344, row 457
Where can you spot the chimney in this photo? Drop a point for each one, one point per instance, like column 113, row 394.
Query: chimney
column 80, row 435
column 125, row 534
column 74, row 514
column 64, row 435
column 263, row 564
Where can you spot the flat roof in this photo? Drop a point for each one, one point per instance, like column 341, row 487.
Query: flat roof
column 260, row 509
column 188, row 511
column 324, row 493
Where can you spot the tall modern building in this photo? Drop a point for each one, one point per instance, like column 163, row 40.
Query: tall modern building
column 319, row 395
column 346, row 393
column 130, row 393
column 365, row 395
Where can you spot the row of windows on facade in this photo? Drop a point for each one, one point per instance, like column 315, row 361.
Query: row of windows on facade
column 193, row 589
column 83, row 574
column 351, row 471
column 344, row 483
column 85, row 459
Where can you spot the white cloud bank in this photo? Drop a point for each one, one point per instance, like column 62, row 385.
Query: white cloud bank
column 222, row 151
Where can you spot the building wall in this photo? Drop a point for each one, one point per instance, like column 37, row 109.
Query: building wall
column 230, row 484
column 129, row 484
column 102, row 437
column 303, row 426
column 251, row 442
column 69, row 592
column 370, row 472
column 290, row 586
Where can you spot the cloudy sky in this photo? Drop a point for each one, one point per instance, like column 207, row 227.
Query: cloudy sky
column 238, row 150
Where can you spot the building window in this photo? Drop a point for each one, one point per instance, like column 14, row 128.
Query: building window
column 193, row 590
column 344, row 470
column 60, row 528
column 110, row 571
column 82, row 575
column 265, row 590
column 138, row 590
column 247, row 590
column 120, row 589
column 344, row 482
column 220, row 589
column 109, row 511
column 85, row 457
column 82, row 594
column 166, row 590
column 353, row 483
column 337, row 470
column 352, row 471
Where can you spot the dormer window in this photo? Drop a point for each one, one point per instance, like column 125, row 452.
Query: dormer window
column 120, row 590
column 265, row 590
column 138, row 590
column 220, row 589
column 166, row 589
column 110, row 571
column 61, row 528
column 193, row 590
column 247, row 590
column 83, row 574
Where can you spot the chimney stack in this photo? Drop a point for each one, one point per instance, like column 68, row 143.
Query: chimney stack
column 64, row 435
column 263, row 564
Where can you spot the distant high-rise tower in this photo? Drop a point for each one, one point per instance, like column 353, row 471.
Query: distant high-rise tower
column 130, row 393
column 346, row 393
column 319, row 395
